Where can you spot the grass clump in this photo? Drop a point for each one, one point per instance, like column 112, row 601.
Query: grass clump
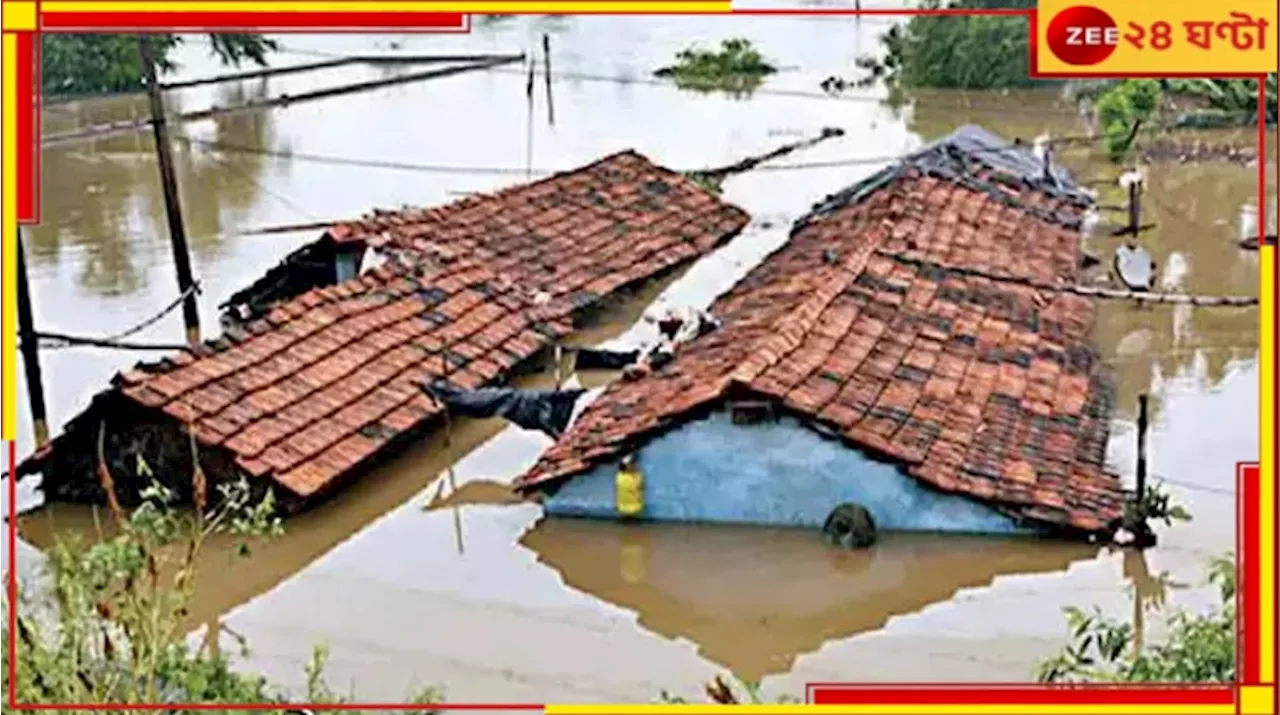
column 736, row 68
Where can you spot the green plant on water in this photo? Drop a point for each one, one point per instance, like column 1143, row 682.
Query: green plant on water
column 1198, row 647
column 73, row 65
column 1156, row 505
column 106, row 625
column 736, row 68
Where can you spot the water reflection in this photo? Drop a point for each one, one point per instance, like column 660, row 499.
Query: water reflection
column 102, row 199
column 753, row 600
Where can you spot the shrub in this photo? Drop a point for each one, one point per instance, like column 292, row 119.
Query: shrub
column 109, row 629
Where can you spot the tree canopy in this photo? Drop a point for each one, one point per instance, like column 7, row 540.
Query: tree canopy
column 94, row 64
column 956, row 52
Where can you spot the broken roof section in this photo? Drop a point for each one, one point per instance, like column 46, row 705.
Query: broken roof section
column 895, row 319
column 324, row 381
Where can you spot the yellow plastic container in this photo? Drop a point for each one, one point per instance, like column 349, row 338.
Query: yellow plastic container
column 629, row 491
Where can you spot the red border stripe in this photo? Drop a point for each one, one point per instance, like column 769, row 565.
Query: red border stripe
column 257, row 21
column 1247, row 589
column 26, row 128
column 1021, row 695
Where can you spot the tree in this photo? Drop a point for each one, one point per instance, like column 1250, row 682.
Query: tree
column 968, row 52
column 93, row 64
column 1122, row 110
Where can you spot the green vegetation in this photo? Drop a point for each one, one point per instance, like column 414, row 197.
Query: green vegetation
column 719, row 691
column 91, row 64
column 1123, row 110
column 110, row 629
column 1198, row 647
column 952, row 52
column 1124, row 107
column 736, row 68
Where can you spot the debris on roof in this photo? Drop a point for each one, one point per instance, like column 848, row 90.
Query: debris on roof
column 975, row 385
column 325, row 381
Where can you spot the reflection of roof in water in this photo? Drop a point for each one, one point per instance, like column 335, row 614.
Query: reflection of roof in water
column 791, row 593
column 894, row 319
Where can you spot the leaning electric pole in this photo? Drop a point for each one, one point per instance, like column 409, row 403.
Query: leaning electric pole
column 169, row 184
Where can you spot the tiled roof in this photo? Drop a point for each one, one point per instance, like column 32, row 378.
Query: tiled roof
column 322, row 382
column 574, row 236
column 888, row 320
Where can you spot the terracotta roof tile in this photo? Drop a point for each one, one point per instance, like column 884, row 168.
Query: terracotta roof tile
column 322, row 381
column 872, row 320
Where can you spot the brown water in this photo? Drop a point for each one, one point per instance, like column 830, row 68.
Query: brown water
column 483, row 598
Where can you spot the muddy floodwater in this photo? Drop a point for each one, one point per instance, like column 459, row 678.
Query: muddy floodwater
column 481, row 597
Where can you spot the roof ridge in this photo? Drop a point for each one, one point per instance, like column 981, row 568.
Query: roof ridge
column 347, row 228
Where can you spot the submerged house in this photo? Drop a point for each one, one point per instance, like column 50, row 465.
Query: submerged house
column 314, row 383
column 914, row 348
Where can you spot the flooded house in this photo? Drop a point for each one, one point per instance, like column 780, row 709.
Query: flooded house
column 915, row 349
column 319, row 373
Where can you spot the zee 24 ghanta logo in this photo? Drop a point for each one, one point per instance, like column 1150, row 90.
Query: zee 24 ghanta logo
column 1084, row 35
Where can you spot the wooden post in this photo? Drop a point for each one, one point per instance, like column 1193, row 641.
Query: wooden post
column 1141, row 487
column 1048, row 161
column 29, row 346
column 1135, row 207
column 546, row 68
column 169, row 184
column 528, row 138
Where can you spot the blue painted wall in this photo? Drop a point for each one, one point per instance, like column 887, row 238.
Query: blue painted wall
column 776, row 473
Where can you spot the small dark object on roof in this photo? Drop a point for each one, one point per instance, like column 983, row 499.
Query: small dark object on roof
column 547, row 411
column 601, row 359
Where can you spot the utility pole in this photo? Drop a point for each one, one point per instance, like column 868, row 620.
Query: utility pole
column 169, row 184
column 28, row 345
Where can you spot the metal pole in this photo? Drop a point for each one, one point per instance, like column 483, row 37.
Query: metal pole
column 169, row 184
column 29, row 346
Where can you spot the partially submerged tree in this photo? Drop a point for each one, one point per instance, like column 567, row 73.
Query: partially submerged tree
column 952, row 52
column 92, row 64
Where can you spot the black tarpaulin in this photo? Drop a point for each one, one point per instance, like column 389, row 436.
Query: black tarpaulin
column 548, row 411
